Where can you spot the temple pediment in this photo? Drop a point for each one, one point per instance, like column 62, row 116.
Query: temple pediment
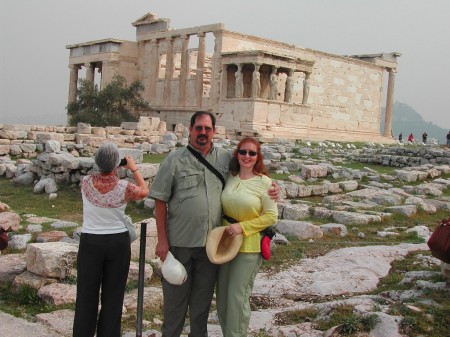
column 151, row 22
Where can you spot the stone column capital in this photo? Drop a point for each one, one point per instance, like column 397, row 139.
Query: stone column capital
column 201, row 35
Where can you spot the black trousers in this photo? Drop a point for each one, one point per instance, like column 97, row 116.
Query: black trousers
column 103, row 262
column 194, row 295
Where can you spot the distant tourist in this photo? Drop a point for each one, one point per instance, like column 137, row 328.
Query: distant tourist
column 400, row 137
column 448, row 139
column 410, row 138
column 424, row 137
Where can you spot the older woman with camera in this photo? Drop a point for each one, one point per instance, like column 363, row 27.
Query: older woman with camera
column 105, row 250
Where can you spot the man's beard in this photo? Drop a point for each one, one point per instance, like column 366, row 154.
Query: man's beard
column 201, row 140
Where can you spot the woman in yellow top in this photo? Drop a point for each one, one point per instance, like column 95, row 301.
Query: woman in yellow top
column 244, row 198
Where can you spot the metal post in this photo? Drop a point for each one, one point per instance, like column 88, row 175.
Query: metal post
column 140, row 299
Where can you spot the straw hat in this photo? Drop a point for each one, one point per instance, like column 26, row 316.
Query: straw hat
column 221, row 247
column 173, row 271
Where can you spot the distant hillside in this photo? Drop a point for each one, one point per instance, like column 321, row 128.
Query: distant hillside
column 406, row 120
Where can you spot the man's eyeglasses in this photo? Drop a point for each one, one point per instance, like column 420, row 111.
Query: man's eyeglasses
column 200, row 128
column 250, row 153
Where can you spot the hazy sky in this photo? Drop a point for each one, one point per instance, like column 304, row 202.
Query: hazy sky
column 34, row 73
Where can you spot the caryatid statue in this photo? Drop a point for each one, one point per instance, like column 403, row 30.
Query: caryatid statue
column 273, row 82
column 306, row 88
column 289, row 86
column 256, row 82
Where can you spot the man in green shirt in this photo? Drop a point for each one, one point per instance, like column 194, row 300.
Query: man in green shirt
column 187, row 207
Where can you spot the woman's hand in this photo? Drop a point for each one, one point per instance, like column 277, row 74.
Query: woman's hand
column 234, row 229
column 274, row 192
column 131, row 165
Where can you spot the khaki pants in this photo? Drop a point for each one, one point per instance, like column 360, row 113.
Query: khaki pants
column 234, row 287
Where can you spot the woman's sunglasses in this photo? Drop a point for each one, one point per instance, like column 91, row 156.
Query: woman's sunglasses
column 250, row 153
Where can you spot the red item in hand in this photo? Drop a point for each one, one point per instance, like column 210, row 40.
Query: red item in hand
column 265, row 247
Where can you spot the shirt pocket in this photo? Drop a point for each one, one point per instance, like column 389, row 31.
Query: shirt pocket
column 188, row 183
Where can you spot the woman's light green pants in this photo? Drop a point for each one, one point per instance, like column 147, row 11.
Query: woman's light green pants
column 234, row 287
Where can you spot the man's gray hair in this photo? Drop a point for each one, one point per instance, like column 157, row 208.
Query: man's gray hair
column 107, row 157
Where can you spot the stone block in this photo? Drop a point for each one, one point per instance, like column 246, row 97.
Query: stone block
column 52, row 259
column 84, row 128
column 129, row 126
column 42, row 137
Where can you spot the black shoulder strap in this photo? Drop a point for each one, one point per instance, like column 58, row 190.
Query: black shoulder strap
column 208, row 165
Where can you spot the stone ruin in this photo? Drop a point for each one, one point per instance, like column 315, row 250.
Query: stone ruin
column 257, row 87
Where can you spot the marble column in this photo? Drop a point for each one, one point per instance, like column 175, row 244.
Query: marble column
column 216, row 73
column 239, row 82
column 169, row 72
column 224, row 81
column 144, row 65
column 154, row 70
column 389, row 100
column 100, row 72
column 73, row 80
column 184, row 71
column 90, row 69
column 200, row 68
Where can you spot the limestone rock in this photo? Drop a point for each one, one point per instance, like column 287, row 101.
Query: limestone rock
column 302, row 230
column 11, row 265
column 52, row 259
column 9, row 221
column 58, row 293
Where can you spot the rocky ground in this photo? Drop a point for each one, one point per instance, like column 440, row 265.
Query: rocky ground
column 353, row 211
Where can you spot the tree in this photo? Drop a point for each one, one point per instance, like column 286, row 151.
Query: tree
column 111, row 106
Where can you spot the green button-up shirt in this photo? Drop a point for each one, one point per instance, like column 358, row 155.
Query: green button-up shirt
column 192, row 193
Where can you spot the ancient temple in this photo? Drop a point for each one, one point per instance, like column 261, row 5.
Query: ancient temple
column 255, row 86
